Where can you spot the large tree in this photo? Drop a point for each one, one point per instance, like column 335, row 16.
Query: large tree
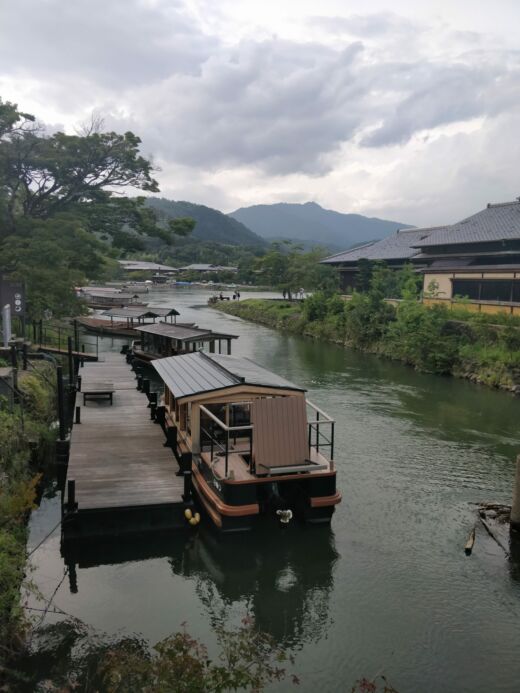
column 61, row 194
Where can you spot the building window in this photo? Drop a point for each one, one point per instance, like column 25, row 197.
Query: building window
column 502, row 290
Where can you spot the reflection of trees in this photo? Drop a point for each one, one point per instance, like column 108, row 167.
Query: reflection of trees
column 283, row 578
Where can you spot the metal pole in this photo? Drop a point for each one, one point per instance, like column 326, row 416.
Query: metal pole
column 76, row 336
column 71, row 362
column 24, row 356
column 61, row 403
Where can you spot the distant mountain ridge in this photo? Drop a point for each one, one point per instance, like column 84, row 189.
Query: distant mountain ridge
column 212, row 225
column 311, row 223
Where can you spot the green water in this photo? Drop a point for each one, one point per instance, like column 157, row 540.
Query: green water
column 388, row 588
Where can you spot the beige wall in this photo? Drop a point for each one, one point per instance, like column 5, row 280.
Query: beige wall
column 444, row 282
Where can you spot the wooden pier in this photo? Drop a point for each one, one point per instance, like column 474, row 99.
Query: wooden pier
column 124, row 476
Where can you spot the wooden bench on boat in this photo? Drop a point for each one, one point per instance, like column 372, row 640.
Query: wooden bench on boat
column 98, row 391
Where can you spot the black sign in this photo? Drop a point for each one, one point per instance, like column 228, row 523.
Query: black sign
column 12, row 293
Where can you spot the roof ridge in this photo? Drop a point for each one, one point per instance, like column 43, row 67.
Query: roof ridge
column 220, row 367
column 502, row 204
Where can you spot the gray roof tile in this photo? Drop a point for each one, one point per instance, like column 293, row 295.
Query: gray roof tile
column 496, row 222
column 196, row 373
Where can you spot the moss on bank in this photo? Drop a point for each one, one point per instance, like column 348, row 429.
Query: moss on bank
column 24, row 427
column 482, row 348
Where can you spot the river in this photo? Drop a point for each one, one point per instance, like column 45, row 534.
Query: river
column 388, row 588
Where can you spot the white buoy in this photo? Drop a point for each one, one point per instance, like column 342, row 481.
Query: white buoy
column 515, row 508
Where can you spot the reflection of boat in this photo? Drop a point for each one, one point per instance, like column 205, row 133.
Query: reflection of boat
column 160, row 340
column 285, row 591
column 246, row 435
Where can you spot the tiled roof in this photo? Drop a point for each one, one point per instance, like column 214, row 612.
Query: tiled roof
column 196, row 373
column 398, row 246
column 496, row 222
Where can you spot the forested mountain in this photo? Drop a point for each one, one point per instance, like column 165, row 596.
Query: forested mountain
column 311, row 223
column 212, row 225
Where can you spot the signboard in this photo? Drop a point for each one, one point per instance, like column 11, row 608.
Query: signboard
column 13, row 294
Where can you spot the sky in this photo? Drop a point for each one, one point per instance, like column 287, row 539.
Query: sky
column 404, row 110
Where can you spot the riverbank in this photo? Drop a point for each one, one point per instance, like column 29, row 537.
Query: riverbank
column 482, row 348
column 24, row 429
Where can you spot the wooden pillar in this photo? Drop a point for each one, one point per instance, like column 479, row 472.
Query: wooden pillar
column 195, row 428
column 515, row 507
column 219, row 346
column 212, row 347
column 229, row 347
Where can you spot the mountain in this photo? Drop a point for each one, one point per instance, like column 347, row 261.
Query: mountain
column 212, row 225
column 311, row 223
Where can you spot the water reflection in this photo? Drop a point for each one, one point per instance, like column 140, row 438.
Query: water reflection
column 284, row 578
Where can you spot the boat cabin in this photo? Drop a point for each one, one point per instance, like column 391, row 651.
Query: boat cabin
column 161, row 340
column 106, row 298
column 255, row 444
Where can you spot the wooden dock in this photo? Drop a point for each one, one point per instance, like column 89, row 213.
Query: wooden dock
column 125, row 478
column 63, row 351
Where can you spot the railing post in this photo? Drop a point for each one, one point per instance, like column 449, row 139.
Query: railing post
column 317, row 431
column 78, row 415
column 71, row 362
column 61, row 403
column 227, row 452
column 332, row 440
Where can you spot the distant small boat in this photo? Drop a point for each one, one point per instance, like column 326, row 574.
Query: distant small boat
column 245, row 434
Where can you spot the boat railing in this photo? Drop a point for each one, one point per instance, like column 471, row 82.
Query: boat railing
column 225, row 447
column 317, row 437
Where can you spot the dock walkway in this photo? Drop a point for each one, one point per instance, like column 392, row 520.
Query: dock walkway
column 118, row 460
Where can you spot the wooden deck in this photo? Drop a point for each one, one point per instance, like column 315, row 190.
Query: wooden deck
column 63, row 351
column 117, row 455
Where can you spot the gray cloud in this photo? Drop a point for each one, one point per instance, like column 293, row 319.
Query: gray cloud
column 109, row 43
column 273, row 105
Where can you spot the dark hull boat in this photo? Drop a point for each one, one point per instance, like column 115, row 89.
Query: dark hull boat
column 252, row 442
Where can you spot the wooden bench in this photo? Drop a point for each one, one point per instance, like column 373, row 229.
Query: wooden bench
column 97, row 391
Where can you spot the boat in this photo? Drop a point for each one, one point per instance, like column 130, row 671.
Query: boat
column 108, row 297
column 160, row 340
column 130, row 317
column 253, row 443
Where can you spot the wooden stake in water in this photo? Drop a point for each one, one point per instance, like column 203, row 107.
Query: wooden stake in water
column 515, row 508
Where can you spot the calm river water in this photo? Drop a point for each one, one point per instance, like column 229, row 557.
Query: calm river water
column 386, row 589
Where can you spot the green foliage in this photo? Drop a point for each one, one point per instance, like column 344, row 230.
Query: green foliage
column 289, row 269
column 18, row 489
column 60, row 195
column 248, row 660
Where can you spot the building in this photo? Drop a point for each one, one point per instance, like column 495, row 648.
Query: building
column 145, row 266
column 395, row 250
column 476, row 259
column 202, row 268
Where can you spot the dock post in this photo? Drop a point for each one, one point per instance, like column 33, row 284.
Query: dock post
column 186, row 496
column 82, row 362
column 145, row 385
column 139, row 382
column 78, row 415
column 71, row 496
column 24, row 356
column 78, row 383
column 515, row 507
column 61, row 403
column 153, row 410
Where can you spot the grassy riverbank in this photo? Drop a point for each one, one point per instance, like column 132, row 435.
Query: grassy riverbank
column 24, row 428
column 482, row 348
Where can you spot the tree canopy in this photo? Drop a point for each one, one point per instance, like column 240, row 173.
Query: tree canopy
column 64, row 207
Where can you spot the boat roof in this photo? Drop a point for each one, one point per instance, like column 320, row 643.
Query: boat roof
column 184, row 333
column 197, row 373
column 140, row 312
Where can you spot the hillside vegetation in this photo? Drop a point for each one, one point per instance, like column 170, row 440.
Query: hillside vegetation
column 309, row 222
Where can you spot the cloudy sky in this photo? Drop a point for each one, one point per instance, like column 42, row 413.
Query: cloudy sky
column 408, row 110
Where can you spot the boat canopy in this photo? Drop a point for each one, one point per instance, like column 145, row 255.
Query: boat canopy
column 184, row 333
column 137, row 312
column 197, row 373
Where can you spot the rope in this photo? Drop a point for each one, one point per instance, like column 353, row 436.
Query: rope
column 43, row 540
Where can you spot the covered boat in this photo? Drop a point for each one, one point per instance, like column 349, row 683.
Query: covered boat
column 254, row 444
column 160, row 340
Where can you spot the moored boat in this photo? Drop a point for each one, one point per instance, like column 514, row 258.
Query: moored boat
column 161, row 340
column 246, row 435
